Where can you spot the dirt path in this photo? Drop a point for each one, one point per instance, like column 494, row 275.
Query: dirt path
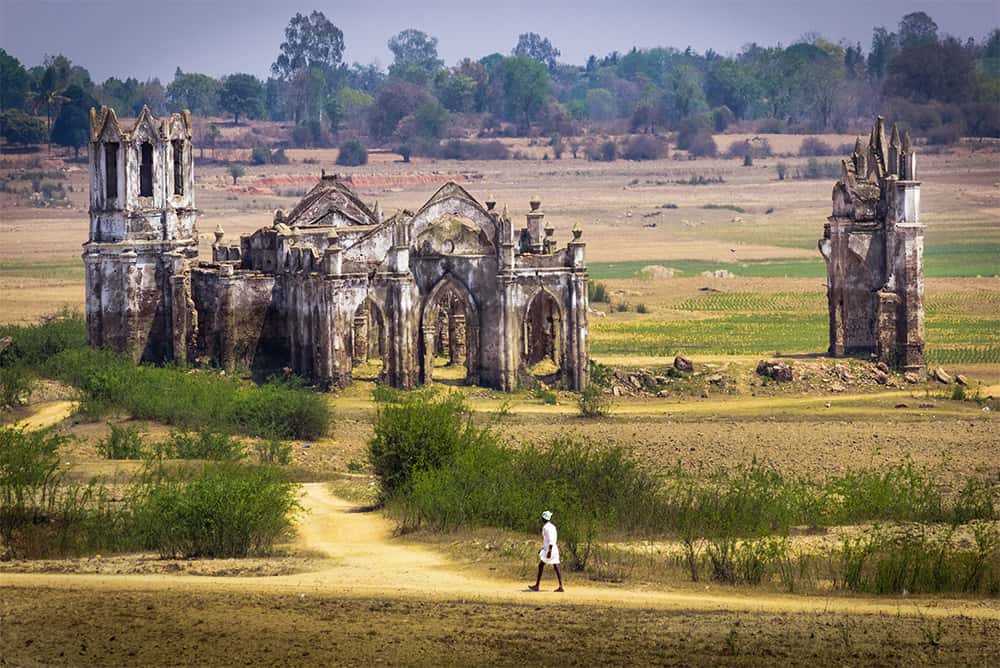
column 47, row 413
column 367, row 561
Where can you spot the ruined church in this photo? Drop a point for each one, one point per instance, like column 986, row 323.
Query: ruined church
column 332, row 286
column 873, row 245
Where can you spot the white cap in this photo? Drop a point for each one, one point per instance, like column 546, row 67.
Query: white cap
column 547, row 515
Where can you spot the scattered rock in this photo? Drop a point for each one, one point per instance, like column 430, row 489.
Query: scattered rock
column 6, row 342
column 881, row 377
column 962, row 380
column 715, row 378
column 718, row 273
column 911, row 377
column 616, row 390
column 883, row 367
column 926, row 404
column 837, row 387
column 775, row 370
column 826, row 405
column 682, row 363
column 657, row 271
column 942, row 376
column 901, row 406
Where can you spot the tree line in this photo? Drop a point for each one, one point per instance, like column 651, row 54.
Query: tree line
column 938, row 85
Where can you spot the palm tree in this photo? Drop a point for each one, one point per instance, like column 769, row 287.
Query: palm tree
column 48, row 95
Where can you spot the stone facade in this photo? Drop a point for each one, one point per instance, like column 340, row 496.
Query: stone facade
column 873, row 245
column 329, row 285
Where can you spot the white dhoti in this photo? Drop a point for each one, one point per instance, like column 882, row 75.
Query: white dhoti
column 549, row 536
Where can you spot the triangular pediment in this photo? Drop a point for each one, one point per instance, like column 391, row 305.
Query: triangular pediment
column 105, row 126
column 145, row 127
column 331, row 202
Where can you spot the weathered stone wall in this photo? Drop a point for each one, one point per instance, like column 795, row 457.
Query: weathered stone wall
column 329, row 284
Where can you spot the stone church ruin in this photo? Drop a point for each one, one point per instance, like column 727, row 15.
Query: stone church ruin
column 331, row 286
column 873, row 245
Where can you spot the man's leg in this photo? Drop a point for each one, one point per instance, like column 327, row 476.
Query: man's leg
column 538, row 580
column 558, row 575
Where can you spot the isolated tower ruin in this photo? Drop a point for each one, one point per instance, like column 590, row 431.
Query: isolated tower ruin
column 873, row 245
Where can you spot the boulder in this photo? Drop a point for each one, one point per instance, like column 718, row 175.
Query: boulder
column 775, row 370
column 911, row 377
column 883, row 367
column 682, row 363
column 881, row 377
column 962, row 380
column 942, row 376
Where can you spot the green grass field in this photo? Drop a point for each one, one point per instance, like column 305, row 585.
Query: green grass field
column 962, row 327
column 54, row 269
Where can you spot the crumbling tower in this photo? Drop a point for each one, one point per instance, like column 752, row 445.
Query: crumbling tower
column 142, row 234
column 873, row 245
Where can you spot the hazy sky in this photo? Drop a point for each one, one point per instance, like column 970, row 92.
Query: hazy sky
column 145, row 38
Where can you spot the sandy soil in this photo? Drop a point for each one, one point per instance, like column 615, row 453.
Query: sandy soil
column 404, row 603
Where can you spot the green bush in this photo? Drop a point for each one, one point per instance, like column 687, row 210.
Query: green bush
column 124, row 442
column 226, row 509
column 279, row 158
column 545, row 395
column 352, row 153
column 203, row 444
column 193, row 400
column 15, row 386
column 273, row 451
column 33, row 345
column 593, row 402
column 597, row 292
column 43, row 515
column 589, row 489
column 422, row 431
column 260, row 155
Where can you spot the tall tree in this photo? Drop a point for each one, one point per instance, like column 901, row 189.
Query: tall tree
column 917, row 29
column 538, row 48
column 242, row 94
column 525, row 84
column 309, row 41
column 415, row 56
column 885, row 45
column 72, row 126
column 14, row 82
column 198, row 93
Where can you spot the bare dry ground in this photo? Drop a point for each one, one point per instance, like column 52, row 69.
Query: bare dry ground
column 378, row 598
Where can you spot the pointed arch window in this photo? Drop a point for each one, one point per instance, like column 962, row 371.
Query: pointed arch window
column 146, row 169
column 111, row 170
column 178, row 146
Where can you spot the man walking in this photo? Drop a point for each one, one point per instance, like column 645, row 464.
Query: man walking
column 549, row 554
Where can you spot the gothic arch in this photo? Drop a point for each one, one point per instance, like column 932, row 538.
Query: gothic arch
column 542, row 331
column 369, row 336
column 464, row 325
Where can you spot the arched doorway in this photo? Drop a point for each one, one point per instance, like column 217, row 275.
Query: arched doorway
column 449, row 335
column 542, row 337
column 368, row 342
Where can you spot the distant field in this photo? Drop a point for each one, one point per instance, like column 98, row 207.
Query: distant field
column 953, row 261
column 962, row 327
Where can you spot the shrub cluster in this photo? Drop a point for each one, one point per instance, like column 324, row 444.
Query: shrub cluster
column 645, row 147
column 192, row 400
column 226, row 509
column 460, row 149
column 814, row 146
column 352, row 153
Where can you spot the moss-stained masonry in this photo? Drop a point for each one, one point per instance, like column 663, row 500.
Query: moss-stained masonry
column 873, row 245
column 329, row 284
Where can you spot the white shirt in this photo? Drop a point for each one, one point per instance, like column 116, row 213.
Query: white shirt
column 549, row 536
